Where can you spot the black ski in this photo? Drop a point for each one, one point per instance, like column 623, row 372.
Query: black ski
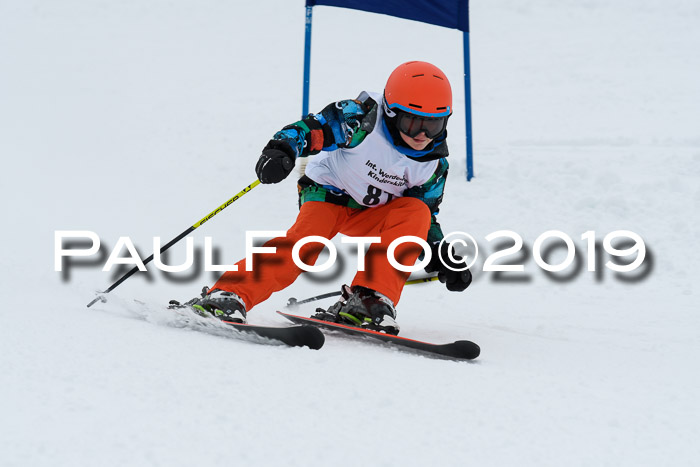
column 298, row 335
column 460, row 350
column 301, row 335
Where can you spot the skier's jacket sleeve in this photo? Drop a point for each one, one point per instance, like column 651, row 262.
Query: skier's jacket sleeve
column 431, row 193
column 342, row 124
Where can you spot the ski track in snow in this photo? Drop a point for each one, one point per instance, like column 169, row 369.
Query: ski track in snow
column 133, row 119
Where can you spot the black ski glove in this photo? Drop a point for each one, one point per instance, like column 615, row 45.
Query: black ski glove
column 456, row 281
column 275, row 163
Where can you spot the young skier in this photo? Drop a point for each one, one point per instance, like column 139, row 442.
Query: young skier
column 381, row 174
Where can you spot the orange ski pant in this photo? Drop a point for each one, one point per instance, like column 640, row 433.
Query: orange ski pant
column 272, row 272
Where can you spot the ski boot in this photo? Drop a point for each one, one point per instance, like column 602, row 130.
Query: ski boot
column 362, row 307
column 226, row 306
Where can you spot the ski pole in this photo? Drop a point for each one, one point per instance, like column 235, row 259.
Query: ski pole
column 293, row 302
column 100, row 296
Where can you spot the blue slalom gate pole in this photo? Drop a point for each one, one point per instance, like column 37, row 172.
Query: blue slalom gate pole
column 468, row 106
column 307, row 62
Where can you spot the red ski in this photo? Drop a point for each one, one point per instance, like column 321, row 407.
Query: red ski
column 459, row 350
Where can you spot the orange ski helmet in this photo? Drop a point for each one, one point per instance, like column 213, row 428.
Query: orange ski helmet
column 417, row 98
column 419, row 88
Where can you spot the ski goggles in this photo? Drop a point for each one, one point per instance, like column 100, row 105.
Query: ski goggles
column 413, row 125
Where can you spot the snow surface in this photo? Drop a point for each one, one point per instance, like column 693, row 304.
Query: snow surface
column 138, row 118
